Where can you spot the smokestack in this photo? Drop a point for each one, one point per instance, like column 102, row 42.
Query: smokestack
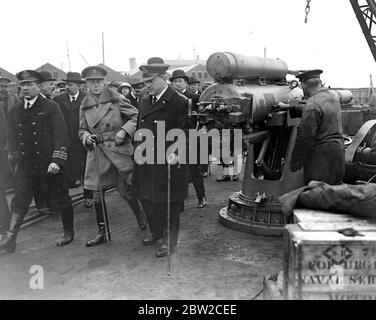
column 197, row 58
column 132, row 63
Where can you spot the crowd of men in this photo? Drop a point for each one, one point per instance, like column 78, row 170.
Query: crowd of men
column 86, row 133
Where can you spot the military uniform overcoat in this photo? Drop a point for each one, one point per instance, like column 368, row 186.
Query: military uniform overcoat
column 38, row 136
column 105, row 118
column 77, row 152
column 150, row 179
column 319, row 146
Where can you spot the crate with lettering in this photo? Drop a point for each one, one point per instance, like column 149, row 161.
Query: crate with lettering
column 329, row 256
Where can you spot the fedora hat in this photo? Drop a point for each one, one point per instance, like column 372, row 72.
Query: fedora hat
column 179, row 74
column 94, row 73
column 74, row 77
column 29, row 76
column 154, row 67
column 47, row 76
column 193, row 80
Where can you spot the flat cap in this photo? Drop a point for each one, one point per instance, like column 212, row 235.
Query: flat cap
column 29, row 76
column 74, row 77
column 94, row 73
column 114, row 83
column 47, row 76
column 136, row 82
column 311, row 74
column 4, row 81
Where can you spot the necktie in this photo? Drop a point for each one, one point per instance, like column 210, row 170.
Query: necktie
column 154, row 99
column 73, row 99
column 28, row 104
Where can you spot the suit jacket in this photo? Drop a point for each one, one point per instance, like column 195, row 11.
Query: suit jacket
column 38, row 136
column 105, row 118
column 150, row 179
column 132, row 100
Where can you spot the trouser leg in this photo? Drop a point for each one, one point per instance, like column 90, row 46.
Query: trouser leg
column 154, row 217
column 60, row 195
column 198, row 181
column 4, row 212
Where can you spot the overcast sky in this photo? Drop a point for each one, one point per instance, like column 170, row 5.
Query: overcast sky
column 37, row 31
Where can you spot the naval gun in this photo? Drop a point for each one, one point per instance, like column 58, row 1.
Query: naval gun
column 249, row 94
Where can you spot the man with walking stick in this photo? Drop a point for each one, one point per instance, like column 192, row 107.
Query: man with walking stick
column 152, row 186
column 107, row 126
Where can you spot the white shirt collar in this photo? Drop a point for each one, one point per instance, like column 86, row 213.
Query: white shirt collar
column 161, row 94
column 32, row 101
column 75, row 96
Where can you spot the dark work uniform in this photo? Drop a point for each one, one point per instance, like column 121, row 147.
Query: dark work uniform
column 319, row 146
column 38, row 137
column 150, row 180
column 4, row 165
column 194, row 169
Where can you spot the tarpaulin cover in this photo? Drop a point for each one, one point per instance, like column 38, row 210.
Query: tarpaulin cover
column 358, row 200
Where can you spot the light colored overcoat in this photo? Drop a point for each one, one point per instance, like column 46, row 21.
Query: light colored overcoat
column 105, row 118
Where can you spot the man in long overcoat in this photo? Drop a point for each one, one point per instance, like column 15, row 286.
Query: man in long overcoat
column 162, row 105
column 319, row 146
column 70, row 102
column 38, row 139
column 109, row 121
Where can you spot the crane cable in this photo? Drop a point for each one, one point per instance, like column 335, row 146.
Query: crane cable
column 307, row 10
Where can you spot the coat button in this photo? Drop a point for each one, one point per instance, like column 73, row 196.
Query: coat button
column 34, row 133
column 155, row 121
column 37, row 152
column 21, row 134
column 142, row 120
column 33, row 123
column 23, row 153
column 35, row 143
column 21, row 144
column 20, row 124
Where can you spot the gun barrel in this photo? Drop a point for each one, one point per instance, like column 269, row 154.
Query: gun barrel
column 226, row 66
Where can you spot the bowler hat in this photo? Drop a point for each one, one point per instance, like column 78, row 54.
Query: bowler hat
column 29, row 76
column 193, row 80
column 94, row 73
column 179, row 74
column 155, row 66
column 311, row 74
column 4, row 81
column 74, row 77
column 47, row 76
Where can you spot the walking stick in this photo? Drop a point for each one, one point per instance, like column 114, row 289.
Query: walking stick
column 168, row 217
column 104, row 211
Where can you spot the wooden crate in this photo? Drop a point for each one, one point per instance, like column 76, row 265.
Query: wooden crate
column 321, row 263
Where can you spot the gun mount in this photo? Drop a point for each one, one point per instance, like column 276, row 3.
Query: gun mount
column 249, row 95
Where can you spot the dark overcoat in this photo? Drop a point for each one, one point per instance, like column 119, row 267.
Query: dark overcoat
column 150, row 179
column 38, row 136
column 105, row 118
column 77, row 152
column 319, row 146
column 132, row 100
column 3, row 153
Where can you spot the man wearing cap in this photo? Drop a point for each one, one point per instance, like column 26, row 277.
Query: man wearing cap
column 162, row 105
column 114, row 85
column 107, row 120
column 70, row 103
column 4, row 168
column 319, row 146
column 48, row 85
column 194, row 85
column 180, row 82
column 7, row 100
column 38, row 140
column 138, row 89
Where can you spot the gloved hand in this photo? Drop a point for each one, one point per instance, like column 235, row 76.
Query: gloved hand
column 120, row 137
column 53, row 168
column 90, row 140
